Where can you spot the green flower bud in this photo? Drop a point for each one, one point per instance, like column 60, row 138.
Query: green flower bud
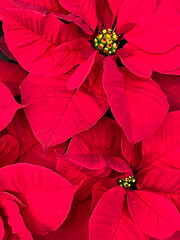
column 104, row 31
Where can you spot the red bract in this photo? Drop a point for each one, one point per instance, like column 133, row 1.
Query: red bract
column 152, row 209
column 8, row 106
column 12, row 76
column 127, row 94
column 9, row 150
column 30, row 150
column 60, row 113
column 59, row 47
column 44, row 196
column 171, row 87
column 76, row 222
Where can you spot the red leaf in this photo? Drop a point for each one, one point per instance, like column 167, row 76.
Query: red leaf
column 65, row 113
column 81, row 72
column 138, row 104
column 40, row 5
column 69, row 54
column 42, row 33
column 104, row 221
column 163, row 181
column 162, row 149
column 114, row 6
column 9, row 150
column 98, row 190
column 105, row 151
column 76, row 177
column 85, row 9
column 157, row 33
column 12, row 76
column 31, row 151
column 143, row 63
column 48, row 196
column 4, row 49
column 155, row 215
column 104, row 15
column 8, row 106
column 97, row 163
column 77, row 20
column 132, row 12
column 10, row 208
column 1, row 229
column 171, row 87
column 75, row 227
column 102, row 139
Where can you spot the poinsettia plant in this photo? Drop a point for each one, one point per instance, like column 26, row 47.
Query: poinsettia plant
column 66, row 171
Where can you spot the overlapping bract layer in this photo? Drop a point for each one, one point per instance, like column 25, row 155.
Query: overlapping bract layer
column 66, row 86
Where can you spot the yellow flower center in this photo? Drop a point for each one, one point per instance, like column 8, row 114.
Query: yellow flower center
column 127, row 182
column 105, row 42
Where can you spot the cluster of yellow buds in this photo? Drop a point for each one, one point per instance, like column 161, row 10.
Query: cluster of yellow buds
column 105, row 42
column 126, row 183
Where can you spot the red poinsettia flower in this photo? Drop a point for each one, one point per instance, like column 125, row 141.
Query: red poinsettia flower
column 150, row 186
column 33, row 200
column 81, row 52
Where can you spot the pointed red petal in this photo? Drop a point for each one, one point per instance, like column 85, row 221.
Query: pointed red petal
column 81, row 72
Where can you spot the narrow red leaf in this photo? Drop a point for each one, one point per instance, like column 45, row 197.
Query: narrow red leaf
column 81, row 72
